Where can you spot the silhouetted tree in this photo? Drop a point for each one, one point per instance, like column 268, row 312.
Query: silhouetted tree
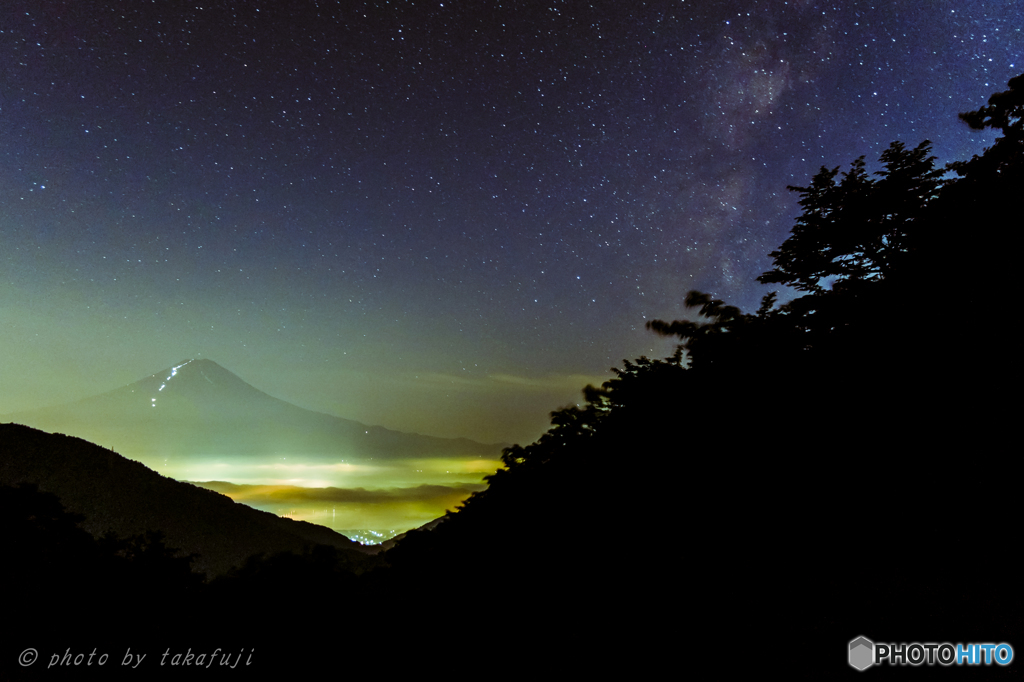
column 986, row 194
column 45, row 543
column 810, row 255
column 899, row 202
column 704, row 342
column 858, row 228
column 152, row 565
column 1005, row 112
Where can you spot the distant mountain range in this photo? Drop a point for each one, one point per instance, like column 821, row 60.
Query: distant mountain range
column 197, row 408
column 117, row 494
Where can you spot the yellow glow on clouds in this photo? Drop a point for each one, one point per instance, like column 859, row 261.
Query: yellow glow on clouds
column 387, row 498
column 386, row 512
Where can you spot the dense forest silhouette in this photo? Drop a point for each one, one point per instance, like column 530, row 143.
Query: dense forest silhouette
column 827, row 467
column 789, row 479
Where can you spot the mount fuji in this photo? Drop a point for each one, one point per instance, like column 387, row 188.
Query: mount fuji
column 198, row 409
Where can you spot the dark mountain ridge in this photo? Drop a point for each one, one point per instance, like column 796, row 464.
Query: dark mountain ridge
column 123, row 496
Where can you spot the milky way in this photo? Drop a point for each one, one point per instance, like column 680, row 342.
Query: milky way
column 445, row 217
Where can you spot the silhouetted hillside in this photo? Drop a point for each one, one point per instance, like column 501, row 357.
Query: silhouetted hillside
column 117, row 494
column 832, row 467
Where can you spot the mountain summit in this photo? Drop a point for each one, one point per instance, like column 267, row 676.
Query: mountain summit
column 196, row 408
column 197, row 380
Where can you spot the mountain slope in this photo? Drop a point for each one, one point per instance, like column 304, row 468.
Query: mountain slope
column 115, row 493
column 199, row 409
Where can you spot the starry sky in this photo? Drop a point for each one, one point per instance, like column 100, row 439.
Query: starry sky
column 444, row 217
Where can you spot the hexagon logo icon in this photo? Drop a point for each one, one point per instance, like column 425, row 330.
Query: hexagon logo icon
column 862, row 653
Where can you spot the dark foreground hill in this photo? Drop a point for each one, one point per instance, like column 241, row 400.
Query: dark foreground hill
column 312, row 601
column 123, row 496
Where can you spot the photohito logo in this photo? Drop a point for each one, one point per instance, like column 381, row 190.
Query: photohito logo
column 863, row 653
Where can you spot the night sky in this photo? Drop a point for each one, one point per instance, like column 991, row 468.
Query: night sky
column 440, row 217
